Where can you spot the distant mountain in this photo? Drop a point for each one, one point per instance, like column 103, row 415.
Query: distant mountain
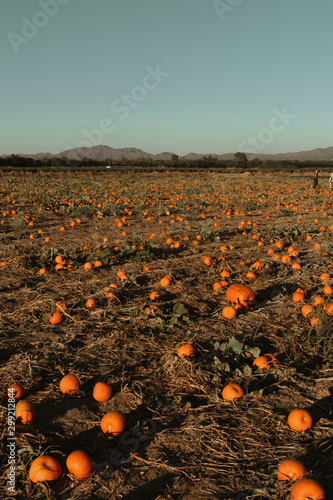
column 101, row 153
column 318, row 154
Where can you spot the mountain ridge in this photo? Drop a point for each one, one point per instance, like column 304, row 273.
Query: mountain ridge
column 101, row 153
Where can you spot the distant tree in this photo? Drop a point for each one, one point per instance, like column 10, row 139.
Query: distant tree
column 63, row 160
column 209, row 160
column 46, row 162
column 85, row 162
column 240, row 158
column 256, row 162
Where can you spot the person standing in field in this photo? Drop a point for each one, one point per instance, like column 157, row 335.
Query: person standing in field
column 315, row 180
column 330, row 181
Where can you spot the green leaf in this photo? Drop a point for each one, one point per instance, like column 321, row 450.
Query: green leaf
column 223, row 347
column 235, row 345
column 255, row 351
column 217, row 345
column 180, row 309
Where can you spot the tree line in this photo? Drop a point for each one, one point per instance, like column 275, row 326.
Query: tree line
column 239, row 161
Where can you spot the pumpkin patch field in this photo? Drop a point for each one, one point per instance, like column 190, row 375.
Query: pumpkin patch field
column 166, row 336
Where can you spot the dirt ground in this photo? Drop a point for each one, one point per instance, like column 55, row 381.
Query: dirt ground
column 183, row 441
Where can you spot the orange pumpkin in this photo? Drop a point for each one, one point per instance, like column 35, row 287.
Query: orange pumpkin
column 16, row 391
column 229, row 312
column 307, row 310
column 91, row 304
column 102, row 392
column 69, row 384
column 186, row 351
column 113, row 423
column 44, row 468
column 61, row 306
column 261, row 363
column 217, row 286
column 305, row 489
column 324, row 277
column 271, row 358
column 232, row 391
column 291, row 470
column 166, row 281
column 240, row 293
column 299, row 420
column 25, row 412
column 298, row 297
column 80, row 464
column 207, row 260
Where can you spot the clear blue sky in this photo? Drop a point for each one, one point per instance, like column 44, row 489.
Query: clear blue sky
column 222, row 68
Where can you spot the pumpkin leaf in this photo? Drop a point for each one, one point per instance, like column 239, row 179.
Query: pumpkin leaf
column 223, row 347
column 180, row 309
column 235, row 345
column 255, row 351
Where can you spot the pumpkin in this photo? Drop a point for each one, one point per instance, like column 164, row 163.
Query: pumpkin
column 91, row 304
column 61, row 306
column 56, row 318
column 225, row 273
column 271, row 358
column 307, row 309
column 80, row 464
column 25, row 412
column 232, row 391
column 299, row 420
column 298, row 297
column 102, row 392
column 240, row 293
column 113, row 423
column 290, row 470
column 44, row 468
column 229, row 312
column 166, row 281
column 261, row 363
column 207, row 260
column 307, row 488
column 16, row 391
column 217, row 286
column 186, row 351
column 69, row 384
